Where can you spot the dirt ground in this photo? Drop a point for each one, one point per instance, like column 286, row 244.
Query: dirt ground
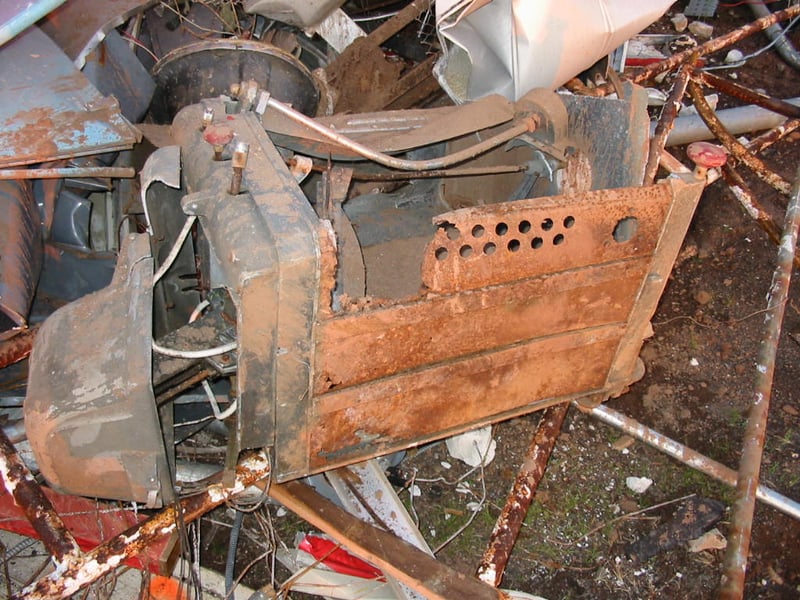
column 578, row 536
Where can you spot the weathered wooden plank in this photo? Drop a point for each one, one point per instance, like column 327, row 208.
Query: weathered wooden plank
column 392, row 555
column 363, row 346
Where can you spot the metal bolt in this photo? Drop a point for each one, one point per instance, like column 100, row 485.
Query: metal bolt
column 208, row 117
column 240, row 152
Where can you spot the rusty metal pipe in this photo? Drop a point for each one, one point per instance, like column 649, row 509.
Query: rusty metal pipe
column 712, row 45
column 74, row 172
column 689, row 457
column 27, row 494
column 765, row 140
column 665, row 123
column 464, row 172
column 525, row 125
column 735, row 564
column 506, row 529
column 733, row 145
column 108, row 556
column 18, row 347
column 726, row 86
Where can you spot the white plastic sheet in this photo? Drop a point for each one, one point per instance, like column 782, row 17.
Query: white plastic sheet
column 511, row 46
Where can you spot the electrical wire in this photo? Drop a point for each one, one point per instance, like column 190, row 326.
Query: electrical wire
column 173, row 253
column 194, row 354
column 744, row 59
column 220, row 416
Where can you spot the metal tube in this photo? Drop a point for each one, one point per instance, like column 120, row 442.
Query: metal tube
column 765, row 140
column 464, row 172
column 732, row 144
column 665, row 123
column 27, row 494
column 76, row 172
column 783, row 46
column 506, row 529
column 108, row 556
column 756, row 429
column 18, row 347
column 728, row 87
column 689, row 457
column 525, row 125
column 742, row 119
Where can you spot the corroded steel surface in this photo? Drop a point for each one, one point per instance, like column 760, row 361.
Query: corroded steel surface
column 18, row 347
column 665, row 123
column 79, row 573
column 48, row 109
column 49, row 527
column 488, row 245
column 508, row 524
column 756, row 428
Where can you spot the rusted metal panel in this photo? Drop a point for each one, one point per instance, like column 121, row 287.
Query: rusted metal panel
column 90, row 413
column 411, row 408
column 49, row 110
column 359, row 347
column 266, row 247
column 489, row 245
column 685, row 192
column 79, row 25
column 21, row 251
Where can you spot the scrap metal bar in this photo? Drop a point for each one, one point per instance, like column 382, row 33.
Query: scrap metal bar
column 75, row 172
column 756, row 429
column 712, row 45
column 732, row 144
column 765, row 140
column 27, row 494
column 390, row 554
column 18, row 347
column 508, row 524
column 70, row 578
column 687, row 456
column 399, row 21
column 464, row 172
column 665, row 123
column 526, row 124
column 726, row 86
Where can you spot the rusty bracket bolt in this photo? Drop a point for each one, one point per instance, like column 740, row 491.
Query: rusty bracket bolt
column 208, row 117
column 240, row 152
column 218, row 136
column 706, row 156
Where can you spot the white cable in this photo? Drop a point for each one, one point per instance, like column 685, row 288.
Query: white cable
column 173, row 254
column 207, row 353
column 220, row 416
column 198, row 310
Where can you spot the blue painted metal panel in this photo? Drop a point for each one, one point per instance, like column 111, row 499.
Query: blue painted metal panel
column 49, row 109
column 17, row 15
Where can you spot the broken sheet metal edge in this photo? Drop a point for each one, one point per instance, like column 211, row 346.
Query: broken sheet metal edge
column 77, row 574
column 17, row 15
column 756, row 428
column 50, row 110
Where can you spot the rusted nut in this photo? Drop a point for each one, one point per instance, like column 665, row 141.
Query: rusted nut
column 706, row 156
column 218, row 136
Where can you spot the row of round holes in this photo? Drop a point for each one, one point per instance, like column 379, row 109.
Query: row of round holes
column 501, row 229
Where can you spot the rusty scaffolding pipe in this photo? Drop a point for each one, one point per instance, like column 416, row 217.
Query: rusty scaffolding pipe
column 18, row 347
column 665, row 123
column 732, row 586
column 689, row 457
column 728, row 87
column 77, row 574
column 28, row 495
column 74, row 172
column 736, row 148
column 506, row 529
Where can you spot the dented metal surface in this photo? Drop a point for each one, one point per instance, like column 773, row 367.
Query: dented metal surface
column 89, row 411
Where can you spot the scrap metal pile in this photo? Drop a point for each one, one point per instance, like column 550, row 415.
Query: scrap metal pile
column 325, row 260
